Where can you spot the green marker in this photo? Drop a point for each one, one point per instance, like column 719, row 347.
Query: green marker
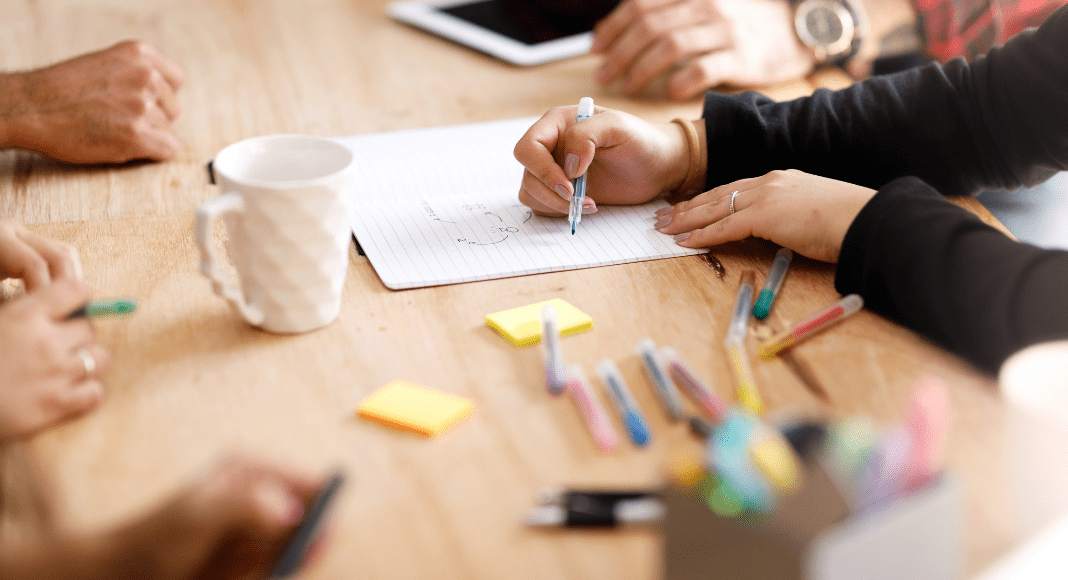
column 103, row 308
column 772, row 284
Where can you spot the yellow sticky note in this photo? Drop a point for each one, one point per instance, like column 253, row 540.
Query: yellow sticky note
column 410, row 407
column 522, row 326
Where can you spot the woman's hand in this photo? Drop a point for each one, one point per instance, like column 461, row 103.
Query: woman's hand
column 806, row 213
column 50, row 366
column 626, row 160
column 36, row 259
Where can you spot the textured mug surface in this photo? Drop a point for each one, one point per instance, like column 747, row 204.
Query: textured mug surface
column 288, row 231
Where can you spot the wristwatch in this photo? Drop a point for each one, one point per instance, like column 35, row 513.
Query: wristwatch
column 833, row 29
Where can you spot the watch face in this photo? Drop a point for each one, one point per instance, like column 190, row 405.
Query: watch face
column 824, row 24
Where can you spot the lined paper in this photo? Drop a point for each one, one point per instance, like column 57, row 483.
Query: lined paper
column 440, row 206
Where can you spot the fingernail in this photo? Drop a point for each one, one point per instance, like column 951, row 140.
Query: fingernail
column 665, row 210
column 662, row 222
column 588, row 209
column 562, row 191
column 571, row 165
column 683, row 237
column 281, row 506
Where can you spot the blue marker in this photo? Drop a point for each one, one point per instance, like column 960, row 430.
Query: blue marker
column 585, row 111
column 628, row 408
column 772, row 284
column 658, row 375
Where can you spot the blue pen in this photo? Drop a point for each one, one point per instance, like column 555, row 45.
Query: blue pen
column 773, row 282
column 628, row 408
column 658, row 375
column 585, row 111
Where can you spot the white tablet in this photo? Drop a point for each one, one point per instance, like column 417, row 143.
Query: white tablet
column 489, row 27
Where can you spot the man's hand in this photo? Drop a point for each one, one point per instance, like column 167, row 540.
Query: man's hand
column 110, row 106
column 700, row 44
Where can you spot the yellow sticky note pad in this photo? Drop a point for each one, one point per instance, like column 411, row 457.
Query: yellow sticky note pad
column 522, row 326
column 410, row 407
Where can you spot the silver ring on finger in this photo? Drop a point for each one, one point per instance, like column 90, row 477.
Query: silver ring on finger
column 88, row 362
column 733, row 195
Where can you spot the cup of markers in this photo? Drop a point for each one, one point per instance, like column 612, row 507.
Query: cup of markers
column 747, row 467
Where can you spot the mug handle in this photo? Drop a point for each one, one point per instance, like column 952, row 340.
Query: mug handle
column 207, row 213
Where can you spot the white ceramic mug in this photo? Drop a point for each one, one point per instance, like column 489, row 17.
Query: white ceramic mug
column 289, row 235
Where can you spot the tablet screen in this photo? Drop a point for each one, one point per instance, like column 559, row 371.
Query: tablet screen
column 530, row 21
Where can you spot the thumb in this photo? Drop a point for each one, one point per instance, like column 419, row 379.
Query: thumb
column 62, row 296
column 603, row 130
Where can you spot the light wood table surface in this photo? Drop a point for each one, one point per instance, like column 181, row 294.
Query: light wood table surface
column 190, row 382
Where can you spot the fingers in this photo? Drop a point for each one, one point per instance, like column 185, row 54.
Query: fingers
column 165, row 98
column 639, row 34
column 535, row 152
column 609, row 28
column 252, row 495
column 61, row 260
column 702, row 73
column 87, row 360
column 157, row 144
column 171, row 72
column 546, row 186
column 63, row 297
column 79, row 400
column 20, row 260
column 672, row 48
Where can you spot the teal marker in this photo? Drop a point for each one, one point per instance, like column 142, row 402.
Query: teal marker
column 772, row 284
column 104, row 308
column 585, row 111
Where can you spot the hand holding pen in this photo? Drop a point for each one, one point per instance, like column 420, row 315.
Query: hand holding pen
column 626, row 160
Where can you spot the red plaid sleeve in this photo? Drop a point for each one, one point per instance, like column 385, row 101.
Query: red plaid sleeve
column 968, row 28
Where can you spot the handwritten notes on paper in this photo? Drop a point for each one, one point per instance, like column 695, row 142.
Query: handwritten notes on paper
column 439, row 206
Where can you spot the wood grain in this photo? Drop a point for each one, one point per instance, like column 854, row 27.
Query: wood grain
column 190, row 382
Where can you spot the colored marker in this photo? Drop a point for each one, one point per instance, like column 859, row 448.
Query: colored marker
column 774, row 456
column 654, row 369
column 773, row 282
column 838, row 311
column 106, row 307
column 742, row 303
column 592, row 412
column 930, row 417
column 729, row 454
column 555, row 373
column 585, row 111
column 745, row 386
column 624, row 401
column 710, row 405
column 296, row 550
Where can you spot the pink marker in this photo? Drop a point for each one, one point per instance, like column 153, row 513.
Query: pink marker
column 930, row 417
column 593, row 413
column 710, row 405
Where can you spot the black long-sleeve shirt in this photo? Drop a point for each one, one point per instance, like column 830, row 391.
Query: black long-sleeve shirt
column 998, row 122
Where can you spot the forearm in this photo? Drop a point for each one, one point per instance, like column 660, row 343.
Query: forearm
column 937, row 269
column 998, row 122
column 17, row 111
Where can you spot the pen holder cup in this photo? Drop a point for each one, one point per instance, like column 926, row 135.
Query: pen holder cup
column 918, row 536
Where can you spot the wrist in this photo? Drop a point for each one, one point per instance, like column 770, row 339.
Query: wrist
column 694, row 160
column 14, row 109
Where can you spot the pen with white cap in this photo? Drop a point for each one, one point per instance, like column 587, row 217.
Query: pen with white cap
column 585, row 111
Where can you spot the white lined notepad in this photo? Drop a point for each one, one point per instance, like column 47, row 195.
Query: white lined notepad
column 439, row 206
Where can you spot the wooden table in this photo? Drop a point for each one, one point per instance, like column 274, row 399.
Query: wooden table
column 190, row 382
